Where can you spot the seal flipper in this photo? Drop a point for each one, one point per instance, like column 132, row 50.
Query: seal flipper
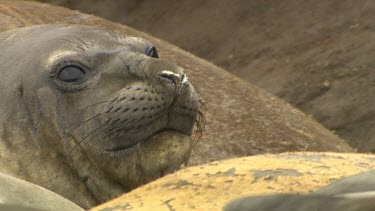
column 16, row 194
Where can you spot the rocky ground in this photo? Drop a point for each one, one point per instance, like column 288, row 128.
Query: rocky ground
column 317, row 55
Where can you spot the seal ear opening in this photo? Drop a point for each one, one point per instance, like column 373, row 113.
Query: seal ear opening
column 20, row 90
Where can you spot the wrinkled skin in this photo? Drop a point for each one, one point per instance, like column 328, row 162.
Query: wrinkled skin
column 125, row 122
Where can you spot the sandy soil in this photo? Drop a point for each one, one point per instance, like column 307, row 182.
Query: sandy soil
column 317, row 55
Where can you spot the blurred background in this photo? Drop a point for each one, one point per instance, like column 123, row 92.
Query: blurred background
column 316, row 54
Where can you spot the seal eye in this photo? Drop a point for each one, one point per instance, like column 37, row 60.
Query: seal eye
column 71, row 73
column 152, row 52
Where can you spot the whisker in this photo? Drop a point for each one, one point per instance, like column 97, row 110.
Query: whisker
column 100, row 133
column 95, row 116
column 98, row 103
column 98, row 136
column 85, row 121
column 79, row 143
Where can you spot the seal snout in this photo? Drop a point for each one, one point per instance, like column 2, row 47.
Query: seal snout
column 179, row 80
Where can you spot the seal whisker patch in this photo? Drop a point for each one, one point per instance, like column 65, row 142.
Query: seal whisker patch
column 79, row 142
column 98, row 137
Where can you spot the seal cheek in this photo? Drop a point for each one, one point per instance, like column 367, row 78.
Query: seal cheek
column 47, row 102
column 46, row 121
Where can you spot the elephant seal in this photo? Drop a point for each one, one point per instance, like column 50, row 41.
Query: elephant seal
column 241, row 119
column 22, row 195
column 68, row 89
column 212, row 186
column 289, row 202
column 85, row 109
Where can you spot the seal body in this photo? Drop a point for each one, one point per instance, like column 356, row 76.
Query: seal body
column 98, row 115
column 93, row 111
column 22, row 195
column 241, row 119
column 352, row 193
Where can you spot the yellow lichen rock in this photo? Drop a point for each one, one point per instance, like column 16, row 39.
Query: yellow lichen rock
column 211, row 186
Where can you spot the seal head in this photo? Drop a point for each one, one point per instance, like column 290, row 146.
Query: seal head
column 92, row 107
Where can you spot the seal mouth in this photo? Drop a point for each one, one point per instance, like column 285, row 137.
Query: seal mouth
column 135, row 146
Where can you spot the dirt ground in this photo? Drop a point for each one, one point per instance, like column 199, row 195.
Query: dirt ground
column 318, row 55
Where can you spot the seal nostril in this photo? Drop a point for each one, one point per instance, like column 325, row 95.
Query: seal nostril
column 170, row 76
column 179, row 80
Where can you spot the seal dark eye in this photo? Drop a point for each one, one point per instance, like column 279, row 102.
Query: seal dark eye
column 71, row 73
column 152, row 52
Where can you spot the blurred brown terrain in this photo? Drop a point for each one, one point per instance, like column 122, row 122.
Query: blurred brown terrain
column 317, row 55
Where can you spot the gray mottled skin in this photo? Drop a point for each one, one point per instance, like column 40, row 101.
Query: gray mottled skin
column 123, row 125
column 358, row 183
column 353, row 193
column 284, row 202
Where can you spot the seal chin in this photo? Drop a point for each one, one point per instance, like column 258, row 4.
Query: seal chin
column 160, row 154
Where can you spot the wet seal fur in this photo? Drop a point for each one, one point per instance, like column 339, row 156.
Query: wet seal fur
column 86, row 110
column 241, row 119
column 211, row 186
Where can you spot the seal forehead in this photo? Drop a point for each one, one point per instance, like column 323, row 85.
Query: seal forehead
column 45, row 44
column 59, row 54
column 92, row 38
column 75, row 37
